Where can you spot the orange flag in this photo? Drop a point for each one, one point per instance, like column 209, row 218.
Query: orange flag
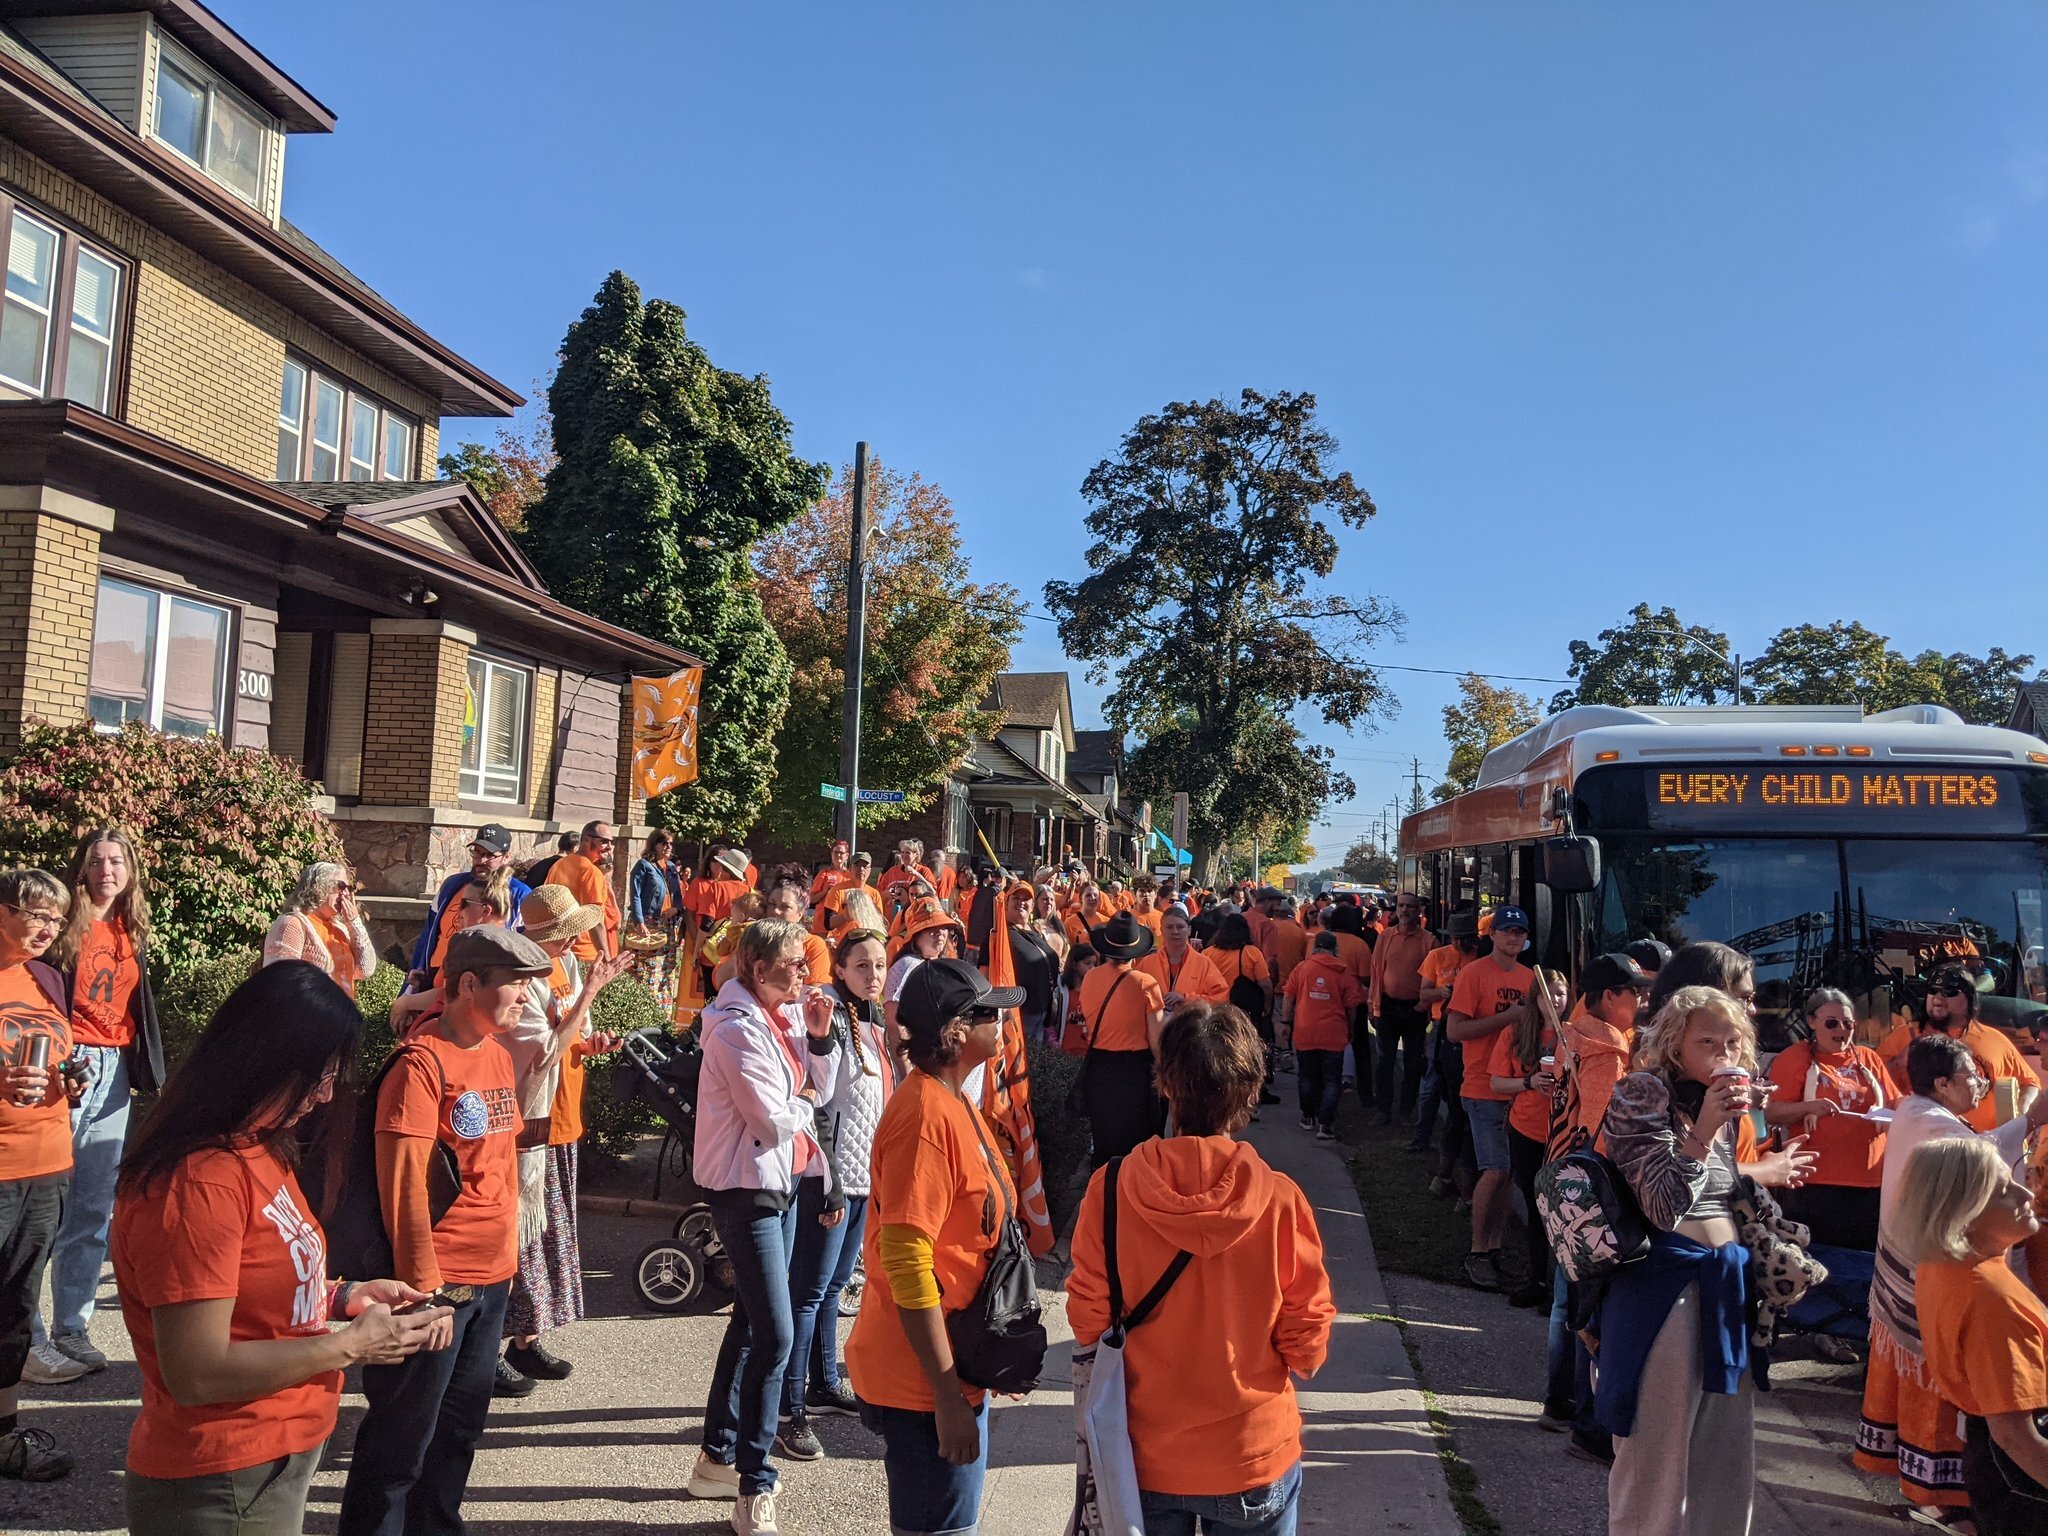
column 665, row 730
column 1009, row 1098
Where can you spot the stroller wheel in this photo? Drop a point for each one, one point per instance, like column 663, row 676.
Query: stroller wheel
column 696, row 1226
column 669, row 1276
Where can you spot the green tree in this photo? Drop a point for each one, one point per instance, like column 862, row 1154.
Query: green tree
column 1211, row 526
column 1979, row 688
column 1839, row 663
column 935, row 642
column 670, row 470
column 1650, row 659
column 1487, row 717
column 509, row 478
column 1367, row 863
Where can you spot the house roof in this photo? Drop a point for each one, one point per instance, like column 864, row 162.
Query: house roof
column 1034, row 699
column 43, row 110
column 212, row 40
column 1006, row 765
column 453, row 504
column 2030, row 709
column 339, row 549
column 1096, row 752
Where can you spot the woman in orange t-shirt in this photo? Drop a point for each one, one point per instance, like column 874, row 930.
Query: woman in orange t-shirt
column 35, row 1143
column 1209, row 1386
column 1520, row 1060
column 1125, row 1010
column 222, row 1269
column 1827, row 1083
column 1183, row 972
column 320, row 924
column 939, row 1200
column 1960, row 1212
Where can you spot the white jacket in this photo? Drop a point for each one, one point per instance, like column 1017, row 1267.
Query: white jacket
column 750, row 1115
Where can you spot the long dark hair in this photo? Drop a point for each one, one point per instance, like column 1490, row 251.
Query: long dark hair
column 1233, row 933
column 269, row 1045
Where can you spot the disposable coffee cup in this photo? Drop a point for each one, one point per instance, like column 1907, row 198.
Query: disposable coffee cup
column 1547, row 1063
column 1740, row 1076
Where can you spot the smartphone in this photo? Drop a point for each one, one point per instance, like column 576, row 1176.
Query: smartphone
column 447, row 1296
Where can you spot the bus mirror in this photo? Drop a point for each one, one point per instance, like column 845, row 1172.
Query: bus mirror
column 1571, row 864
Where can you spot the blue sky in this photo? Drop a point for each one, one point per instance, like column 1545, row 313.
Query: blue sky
column 1738, row 308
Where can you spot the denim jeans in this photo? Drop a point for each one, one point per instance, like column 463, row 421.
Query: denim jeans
column 410, row 1467
column 1320, row 1077
column 821, row 1261
column 1268, row 1511
column 928, row 1495
column 99, row 1129
column 1569, row 1382
column 746, row 1384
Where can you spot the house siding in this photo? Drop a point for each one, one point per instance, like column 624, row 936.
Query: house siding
column 102, row 55
column 586, row 783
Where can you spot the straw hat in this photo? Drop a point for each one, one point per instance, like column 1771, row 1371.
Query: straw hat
column 926, row 913
column 552, row 912
column 733, row 861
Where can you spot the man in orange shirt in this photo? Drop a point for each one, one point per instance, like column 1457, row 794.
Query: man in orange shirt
column 945, row 875
column 1952, row 1009
column 1346, row 922
column 587, row 875
column 831, row 912
column 1145, row 905
column 835, row 874
column 1395, row 986
column 1284, row 943
column 1316, row 1009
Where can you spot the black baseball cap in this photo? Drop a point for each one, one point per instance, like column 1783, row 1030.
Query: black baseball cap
column 493, row 837
column 1610, row 972
column 939, row 991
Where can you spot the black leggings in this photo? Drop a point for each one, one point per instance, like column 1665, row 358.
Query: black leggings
column 1525, row 1161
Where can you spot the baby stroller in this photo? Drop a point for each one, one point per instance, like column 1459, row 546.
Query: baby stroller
column 661, row 1072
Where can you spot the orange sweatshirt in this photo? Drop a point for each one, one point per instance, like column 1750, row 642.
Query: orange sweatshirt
column 1212, row 1409
column 1602, row 1053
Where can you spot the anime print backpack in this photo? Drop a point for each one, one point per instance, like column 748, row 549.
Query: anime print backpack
column 1590, row 1216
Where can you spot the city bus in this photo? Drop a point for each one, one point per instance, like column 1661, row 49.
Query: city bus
column 1834, row 848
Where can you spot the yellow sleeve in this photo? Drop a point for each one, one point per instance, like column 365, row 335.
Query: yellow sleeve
column 907, row 1261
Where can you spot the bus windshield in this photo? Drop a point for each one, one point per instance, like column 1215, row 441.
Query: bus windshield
column 1851, row 912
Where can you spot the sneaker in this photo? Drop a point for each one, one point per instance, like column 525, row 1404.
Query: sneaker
column 796, row 1441
column 1268, row 1096
column 1596, row 1447
column 31, row 1456
column 1308, row 1122
column 509, row 1382
column 79, row 1348
column 713, row 1479
column 754, row 1515
column 1554, row 1418
column 539, row 1362
column 49, row 1366
column 849, row 1299
column 1827, row 1347
column 837, row 1399
column 1324, row 1133
column 1481, row 1272
column 1530, row 1296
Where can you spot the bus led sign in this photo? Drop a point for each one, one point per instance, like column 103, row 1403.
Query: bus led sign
column 1870, row 789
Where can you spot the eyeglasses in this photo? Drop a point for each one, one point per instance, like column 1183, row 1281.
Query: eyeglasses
column 982, row 1015
column 604, row 842
column 35, row 920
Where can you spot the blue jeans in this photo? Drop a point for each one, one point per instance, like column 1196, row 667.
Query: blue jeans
column 746, row 1384
column 821, row 1261
column 410, row 1467
column 1570, row 1374
column 928, row 1495
column 1268, row 1511
column 1320, row 1077
column 99, row 1129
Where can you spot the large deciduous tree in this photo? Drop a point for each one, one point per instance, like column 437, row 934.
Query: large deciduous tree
column 935, row 642
column 1652, row 658
column 1367, row 863
column 1485, row 717
column 670, row 470
column 1979, row 688
column 1212, row 528
column 1846, row 663
column 510, row 477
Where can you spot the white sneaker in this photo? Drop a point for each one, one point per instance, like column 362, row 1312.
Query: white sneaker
column 754, row 1515
column 79, row 1348
column 49, row 1366
column 713, row 1480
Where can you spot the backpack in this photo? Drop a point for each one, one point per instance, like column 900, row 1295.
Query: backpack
column 1590, row 1216
column 998, row 1338
column 358, row 1243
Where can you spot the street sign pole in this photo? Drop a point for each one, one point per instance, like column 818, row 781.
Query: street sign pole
column 856, row 649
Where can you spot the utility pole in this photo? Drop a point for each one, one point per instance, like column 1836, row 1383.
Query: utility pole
column 1415, row 769
column 856, row 649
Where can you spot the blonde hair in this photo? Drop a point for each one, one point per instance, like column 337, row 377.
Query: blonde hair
column 1946, row 1185
column 1658, row 1047
column 860, row 911
column 34, row 887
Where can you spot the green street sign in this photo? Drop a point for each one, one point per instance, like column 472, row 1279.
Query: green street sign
column 833, row 792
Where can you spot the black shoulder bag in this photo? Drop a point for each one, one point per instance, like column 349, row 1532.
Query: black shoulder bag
column 998, row 1338
column 1121, row 1322
column 1077, row 1096
column 358, row 1242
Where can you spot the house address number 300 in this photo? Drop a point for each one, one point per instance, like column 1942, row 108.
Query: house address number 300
column 252, row 685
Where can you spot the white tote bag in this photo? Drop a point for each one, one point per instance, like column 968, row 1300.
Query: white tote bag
column 1106, row 1481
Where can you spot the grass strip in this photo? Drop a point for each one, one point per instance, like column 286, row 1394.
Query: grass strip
column 1459, row 1478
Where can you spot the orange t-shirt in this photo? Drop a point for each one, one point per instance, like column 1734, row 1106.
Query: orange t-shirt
column 897, row 874
column 833, row 908
column 1528, row 1109
column 592, row 888
column 1258, row 922
column 565, row 1115
column 828, row 880
column 1234, row 964
column 1195, row 977
column 1997, row 1057
column 1986, row 1336
column 1123, row 1027
column 1397, row 965
column 1155, row 920
column 1850, row 1148
column 1356, row 955
column 1325, row 995
column 35, row 1141
column 1440, row 968
column 712, row 900
column 933, row 1168
column 817, row 961
column 103, row 986
column 1892, row 1048
column 1285, row 945
column 477, row 1115
column 224, row 1226
column 1483, row 990
column 945, row 883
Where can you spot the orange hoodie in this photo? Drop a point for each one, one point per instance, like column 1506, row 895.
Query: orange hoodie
column 1593, row 1059
column 1212, row 1410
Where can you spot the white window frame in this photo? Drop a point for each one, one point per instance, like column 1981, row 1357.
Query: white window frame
column 48, row 311
column 471, row 782
column 159, row 661
column 354, row 403
column 285, row 423
column 74, row 329
column 215, row 88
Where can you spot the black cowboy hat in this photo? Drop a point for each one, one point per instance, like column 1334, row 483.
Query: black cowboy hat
column 1123, row 937
column 1462, row 924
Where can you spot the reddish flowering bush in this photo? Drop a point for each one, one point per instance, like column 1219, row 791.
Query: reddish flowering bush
column 222, row 834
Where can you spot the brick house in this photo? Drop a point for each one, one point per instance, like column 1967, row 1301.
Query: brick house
column 215, row 444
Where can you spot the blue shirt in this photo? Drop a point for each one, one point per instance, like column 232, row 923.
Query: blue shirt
column 423, row 950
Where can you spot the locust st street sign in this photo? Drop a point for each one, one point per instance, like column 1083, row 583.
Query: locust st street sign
column 867, row 796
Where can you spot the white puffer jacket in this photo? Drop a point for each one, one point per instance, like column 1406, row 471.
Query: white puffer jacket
column 861, row 1087
column 750, row 1111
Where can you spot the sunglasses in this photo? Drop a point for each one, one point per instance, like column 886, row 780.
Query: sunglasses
column 982, row 1015
column 1950, row 989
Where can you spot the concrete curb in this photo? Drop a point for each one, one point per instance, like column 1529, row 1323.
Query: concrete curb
column 620, row 1205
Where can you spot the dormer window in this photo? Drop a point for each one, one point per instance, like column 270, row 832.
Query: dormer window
column 211, row 126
